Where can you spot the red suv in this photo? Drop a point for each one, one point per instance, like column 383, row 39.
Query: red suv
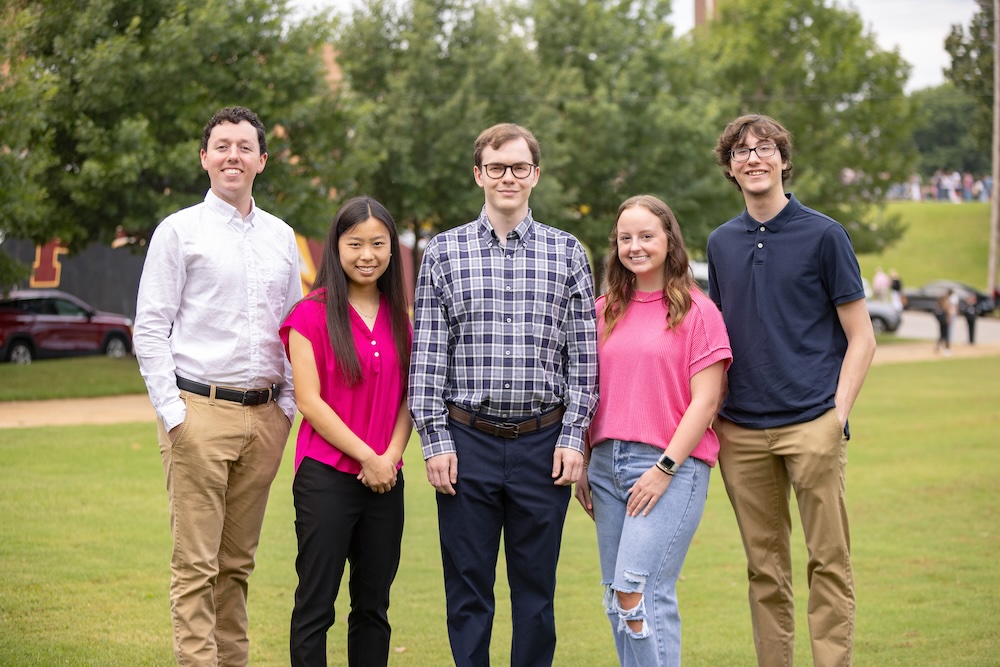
column 50, row 323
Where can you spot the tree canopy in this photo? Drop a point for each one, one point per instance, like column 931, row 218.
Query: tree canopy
column 971, row 69
column 102, row 104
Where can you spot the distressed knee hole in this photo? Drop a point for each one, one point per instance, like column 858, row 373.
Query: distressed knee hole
column 631, row 609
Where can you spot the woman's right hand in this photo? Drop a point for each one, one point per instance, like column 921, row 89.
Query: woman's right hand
column 378, row 473
column 583, row 494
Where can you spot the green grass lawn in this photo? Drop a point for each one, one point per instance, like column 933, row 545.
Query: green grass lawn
column 76, row 377
column 942, row 240
column 84, row 547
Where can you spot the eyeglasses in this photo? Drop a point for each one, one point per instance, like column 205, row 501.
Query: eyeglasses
column 742, row 154
column 519, row 170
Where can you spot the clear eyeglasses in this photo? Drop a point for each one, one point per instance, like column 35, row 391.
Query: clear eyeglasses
column 742, row 154
column 519, row 170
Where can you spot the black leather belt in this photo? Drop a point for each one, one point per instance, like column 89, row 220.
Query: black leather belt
column 247, row 397
column 508, row 430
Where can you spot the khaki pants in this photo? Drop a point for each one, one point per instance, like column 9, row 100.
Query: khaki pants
column 219, row 470
column 758, row 467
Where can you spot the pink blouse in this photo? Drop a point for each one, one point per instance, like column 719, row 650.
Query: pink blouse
column 369, row 408
column 646, row 370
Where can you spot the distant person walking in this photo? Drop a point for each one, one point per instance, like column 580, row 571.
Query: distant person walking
column 967, row 307
column 945, row 311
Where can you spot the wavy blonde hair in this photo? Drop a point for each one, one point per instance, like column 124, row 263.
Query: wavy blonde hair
column 619, row 282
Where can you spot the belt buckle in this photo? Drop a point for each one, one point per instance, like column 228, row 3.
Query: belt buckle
column 514, row 428
column 245, row 401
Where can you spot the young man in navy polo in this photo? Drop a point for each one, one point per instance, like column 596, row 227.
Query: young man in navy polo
column 789, row 287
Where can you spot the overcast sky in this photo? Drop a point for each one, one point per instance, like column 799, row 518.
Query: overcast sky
column 917, row 27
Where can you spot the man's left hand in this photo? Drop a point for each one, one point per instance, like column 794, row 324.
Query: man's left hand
column 567, row 465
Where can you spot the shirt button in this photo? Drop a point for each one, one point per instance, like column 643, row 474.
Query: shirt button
column 507, row 288
column 507, row 352
column 373, row 342
column 376, row 354
column 508, row 320
column 760, row 245
column 506, row 385
column 763, row 228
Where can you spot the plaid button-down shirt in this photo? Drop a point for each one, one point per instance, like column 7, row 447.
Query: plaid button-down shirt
column 506, row 332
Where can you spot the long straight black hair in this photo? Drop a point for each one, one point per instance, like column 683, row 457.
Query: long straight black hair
column 332, row 277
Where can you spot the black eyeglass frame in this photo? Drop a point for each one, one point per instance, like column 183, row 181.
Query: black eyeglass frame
column 770, row 149
column 513, row 167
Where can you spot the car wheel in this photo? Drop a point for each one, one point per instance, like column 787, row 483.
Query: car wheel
column 879, row 326
column 20, row 353
column 115, row 348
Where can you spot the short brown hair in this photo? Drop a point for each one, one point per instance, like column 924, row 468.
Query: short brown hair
column 498, row 135
column 763, row 127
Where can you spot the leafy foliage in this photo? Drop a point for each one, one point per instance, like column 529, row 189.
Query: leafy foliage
column 818, row 71
column 972, row 68
column 104, row 104
column 943, row 135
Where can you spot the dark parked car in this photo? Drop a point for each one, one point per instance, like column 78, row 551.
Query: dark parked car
column 50, row 323
column 885, row 318
column 925, row 297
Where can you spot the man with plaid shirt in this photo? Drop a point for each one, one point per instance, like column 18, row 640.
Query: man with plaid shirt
column 504, row 379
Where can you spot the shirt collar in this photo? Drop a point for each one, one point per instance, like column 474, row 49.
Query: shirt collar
column 778, row 222
column 523, row 231
column 227, row 212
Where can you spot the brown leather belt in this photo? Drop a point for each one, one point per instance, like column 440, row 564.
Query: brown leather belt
column 508, row 430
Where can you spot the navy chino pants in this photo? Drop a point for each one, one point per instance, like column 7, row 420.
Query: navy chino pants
column 504, row 486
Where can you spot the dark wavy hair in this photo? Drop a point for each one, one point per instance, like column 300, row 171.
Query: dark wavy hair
column 620, row 282
column 235, row 115
column 331, row 277
column 763, row 127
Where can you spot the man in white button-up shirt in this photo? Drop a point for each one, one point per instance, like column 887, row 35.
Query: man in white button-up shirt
column 218, row 280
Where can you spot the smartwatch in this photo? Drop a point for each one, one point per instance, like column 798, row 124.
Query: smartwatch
column 667, row 465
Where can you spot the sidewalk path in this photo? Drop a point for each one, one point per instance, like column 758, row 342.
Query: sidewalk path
column 137, row 408
column 66, row 412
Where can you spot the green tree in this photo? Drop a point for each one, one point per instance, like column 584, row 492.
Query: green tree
column 943, row 135
column 817, row 70
column 971, row 69
column 433, row 73
column 104, row 103
column 626, row 118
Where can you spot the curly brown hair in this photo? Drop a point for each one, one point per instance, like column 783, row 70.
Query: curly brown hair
column 763, row 127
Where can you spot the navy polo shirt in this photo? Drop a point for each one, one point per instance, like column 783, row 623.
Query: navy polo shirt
column 778, row 284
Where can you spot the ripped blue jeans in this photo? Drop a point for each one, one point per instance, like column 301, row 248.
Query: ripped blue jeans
column 644, row 554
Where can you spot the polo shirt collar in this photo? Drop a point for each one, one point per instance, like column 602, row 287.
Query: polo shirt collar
column 778, row 222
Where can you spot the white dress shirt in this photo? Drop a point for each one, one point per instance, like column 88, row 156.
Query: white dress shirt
column 214, row 290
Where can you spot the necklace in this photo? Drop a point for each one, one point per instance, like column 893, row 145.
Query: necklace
column 649, row 297
column 363, row 313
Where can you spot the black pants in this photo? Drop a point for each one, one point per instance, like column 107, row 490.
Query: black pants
column 970, row 319
column 338, row 519
column 503, row 486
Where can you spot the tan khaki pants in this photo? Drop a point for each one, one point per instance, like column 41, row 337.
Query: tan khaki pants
column 759, row 466
column 219, row 470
